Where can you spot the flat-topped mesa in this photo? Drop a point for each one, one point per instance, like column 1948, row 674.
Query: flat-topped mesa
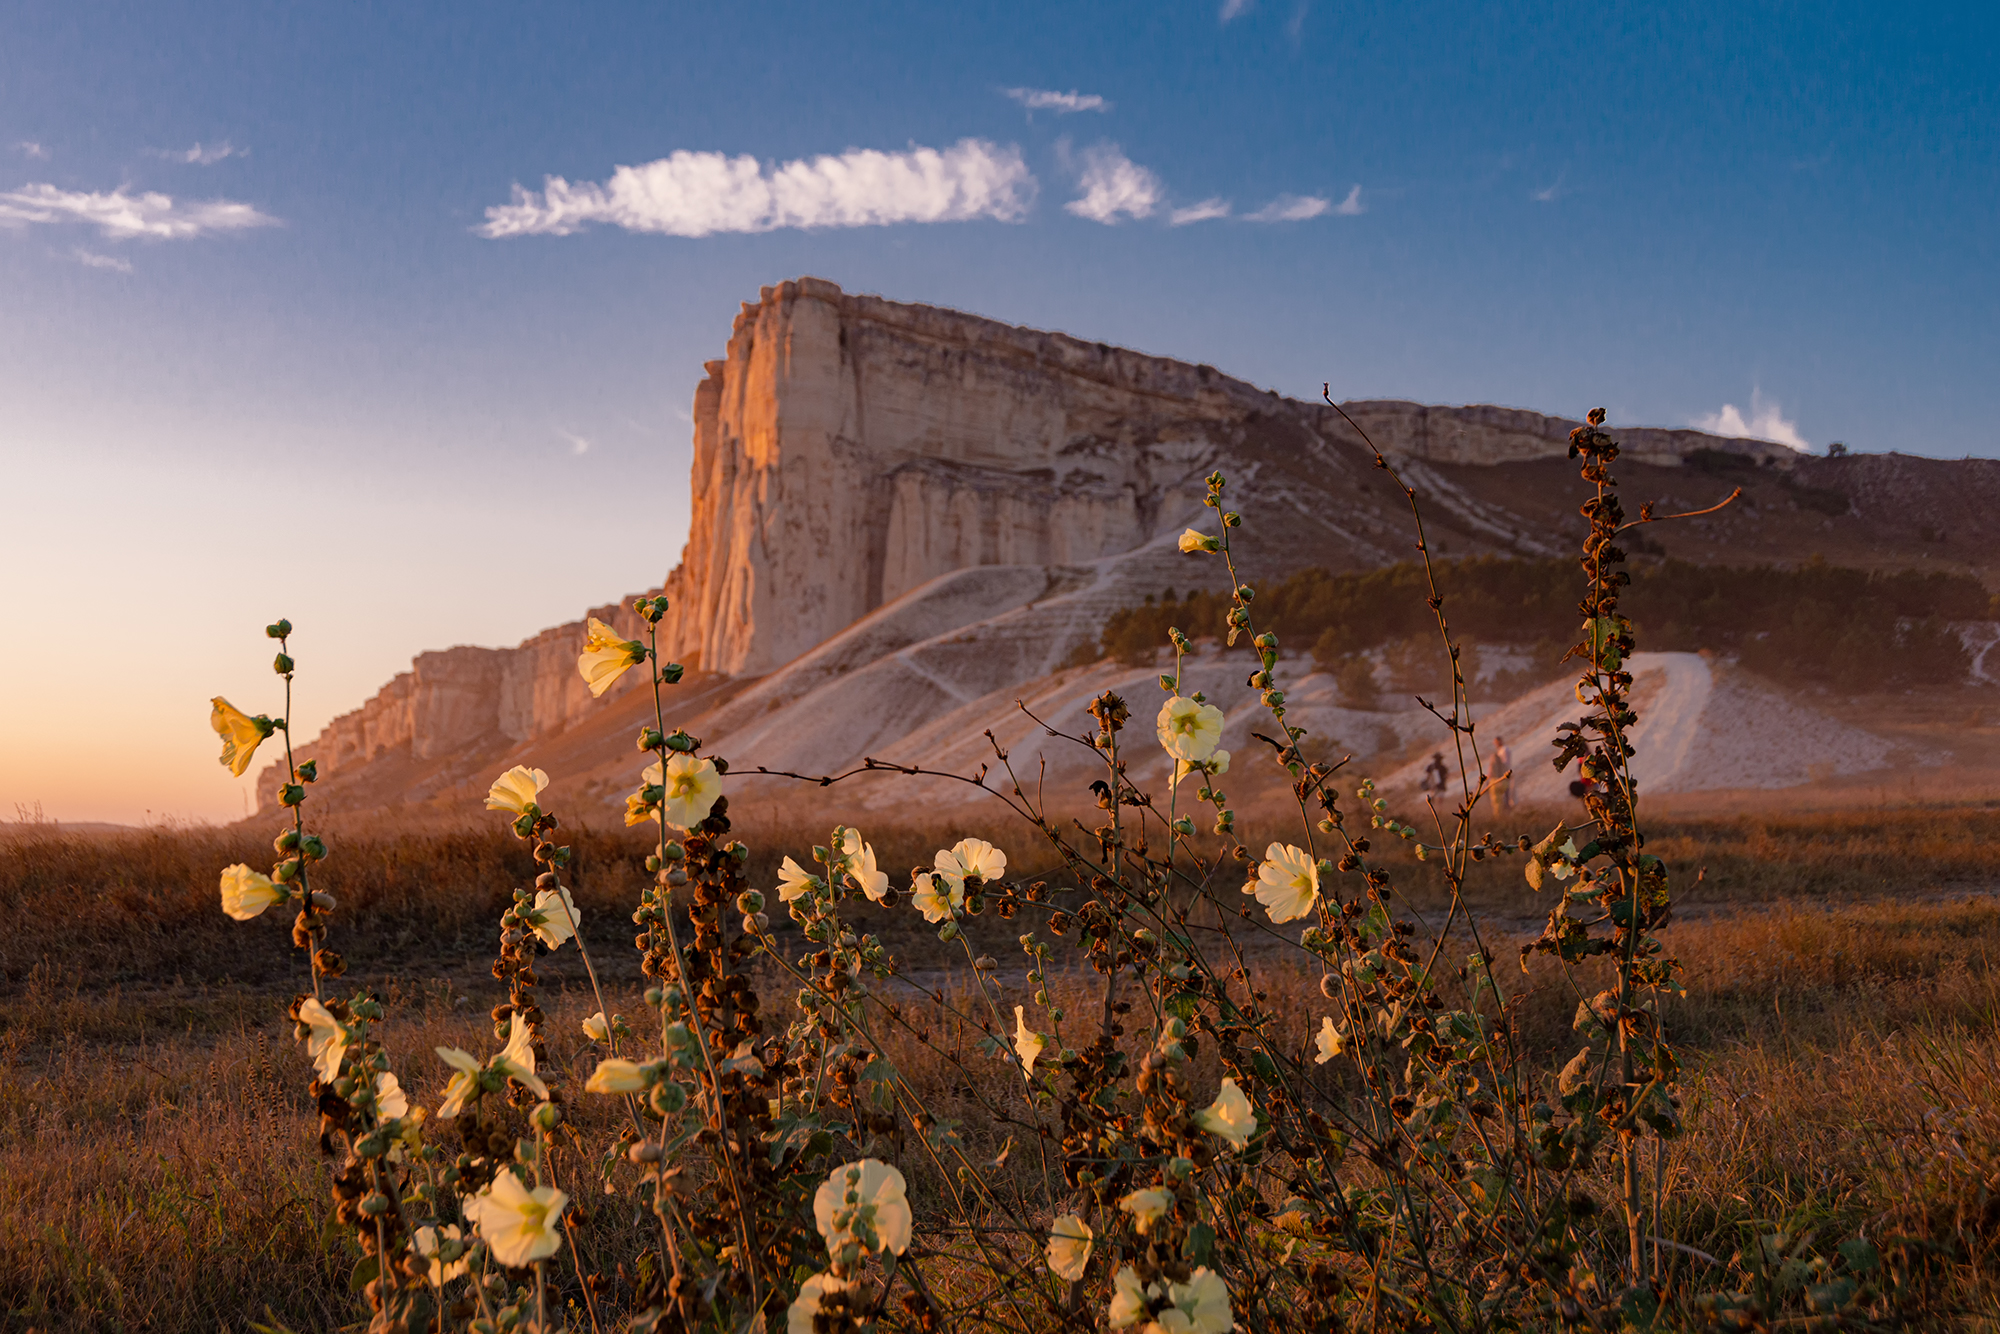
column 849, row 448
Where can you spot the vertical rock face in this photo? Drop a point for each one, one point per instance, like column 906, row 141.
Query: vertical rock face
column 849, row 449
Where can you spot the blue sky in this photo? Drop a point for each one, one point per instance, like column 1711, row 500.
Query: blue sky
column 304, row 382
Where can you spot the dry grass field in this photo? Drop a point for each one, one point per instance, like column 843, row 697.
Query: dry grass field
column 1842, row 1021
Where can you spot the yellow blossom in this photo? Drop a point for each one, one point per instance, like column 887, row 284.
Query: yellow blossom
column 1332, row 1042
column 1128, row 1298
column 1229, row 1116
column 1287, row 883
column 799, row 1316
column 240, row 733
column 938, row 896
column 245, row 892
column 863, row 1200
column 616, row 1076
column 1147, row 1207
column 519, row 1225
column 326, row 1040
column 873, row 880
column 391, row 1103
column 1198, row 1306
column 517, row 1059
column 1215, row 765
column 1028, row 1044
column 606, row 657
column 973, row 857
column 1070, row 1240
column 596, row 1029
column 557, row 915
column 1193, row 540
column 516, row 790
column 795, row 881
column 637, row 809
column 464, row 1082
column 430, row 1240
column 1189, row 731
column 691, row 787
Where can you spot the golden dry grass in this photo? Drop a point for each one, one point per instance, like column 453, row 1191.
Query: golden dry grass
column 1842, row 1027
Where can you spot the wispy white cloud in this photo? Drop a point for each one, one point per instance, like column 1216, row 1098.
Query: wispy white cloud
column 201, row 155
column 1045, row 99
column 578, row 446
column 1297, row 208
column 30, row 148
column 1765, row 422
column 698, row 194
column 92, row 260
column 1550, row 193
column 1205, row 211
column 1114, row 186
column 1351, row 207
column 1232, row 9
column 123, row 216
column 1296, row 24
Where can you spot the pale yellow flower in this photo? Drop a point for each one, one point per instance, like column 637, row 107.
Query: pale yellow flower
column 1193, row 540
column 795, row 881
column 519, row 1225
column 1229, row 1116
column 596, row 1029
column 1028, row 1044
column 874, row 881
column 1198, row 1306
column 391, row 1103
column 938, row 896
column 245, row 892
column 463, row 1083
column 241, row 734
column 1287, row 882
column 557, row 911
column 637, row 809
column 616, row 1076
column 973, row 857
column 517, row 1059
column 606, row 657
column 1070, row 1240
column 516, row 790
column 691, row 785
column 1147, row 1207
column 1128, row 1298
column 1189, row 731
column 326, row 1040
column 429, row 1240
column 1332, row 1042
column 861, row 1198
column 812, row 1295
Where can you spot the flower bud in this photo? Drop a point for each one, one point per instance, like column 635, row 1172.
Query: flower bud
column 375, row 1204
column 286, row 841
column 312, row 848
column 668, row 1096
column 546, row 1116
column 322, row 900
column 671, row 673
column 654, row 996
column 755, row 924
column 282, row 629
column 650, row 738
column 282, row 664
column 291, row 794
column 643, row 1153
column 749, row 901
column 652, row 861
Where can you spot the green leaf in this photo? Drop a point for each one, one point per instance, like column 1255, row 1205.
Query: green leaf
column 364, row 1274
column 1199, row 1249
column 1860, row 1254
column 1830, row 1298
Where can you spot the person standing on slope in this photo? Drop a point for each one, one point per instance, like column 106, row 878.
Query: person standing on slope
column 1499, row 773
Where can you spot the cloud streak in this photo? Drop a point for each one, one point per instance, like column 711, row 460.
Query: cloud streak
column 700, row 194
column 1235, row 9
column 1206, row 211
column 123, row 216
column 32, row 149
column 92, row 260
column 1045, row 99
column 1114, row 187
column 1765, row 422
column 1297, row 208
column 202, row 155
